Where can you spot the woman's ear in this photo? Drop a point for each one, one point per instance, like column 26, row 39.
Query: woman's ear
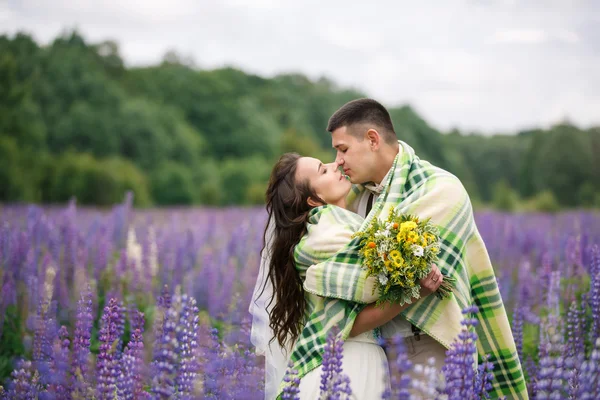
column 374, row 139
column 313, row 203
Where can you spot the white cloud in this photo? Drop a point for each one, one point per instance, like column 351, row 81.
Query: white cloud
column 487, row 65
column 533, row 36
column 529, row 36
column 5, row 13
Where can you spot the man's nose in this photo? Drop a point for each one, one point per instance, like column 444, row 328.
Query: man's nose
column 338, row 159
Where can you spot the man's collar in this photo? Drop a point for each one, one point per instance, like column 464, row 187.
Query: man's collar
column 375, row 188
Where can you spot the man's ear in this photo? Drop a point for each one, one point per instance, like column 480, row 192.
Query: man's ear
column 313, row 203
column 374, row 139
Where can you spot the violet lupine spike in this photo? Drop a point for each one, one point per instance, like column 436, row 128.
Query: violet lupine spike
column 334, row 383
column 130, row 384
column 46, row 332
column 107, row 366
column 551, row 376
column 163, row 303
column 214, row 367
column 459, row 370
column 595, row 260
column 165, row 363
column 24, row 384
column 484, row 378
column 589, row 382
column 575, row 349
column 120, row 322
column 81, row 344
column 594, row 300
column 291, row 391
column 400, row 382
column 517, row 328
column 136, row 319
column 187, row 337
column 60, row 383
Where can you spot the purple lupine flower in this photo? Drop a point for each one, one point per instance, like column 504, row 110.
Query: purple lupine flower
column 531, row 371
column 81, row 344
column 291, row 391
column 120, row 325
column 334, row 383
column 24, row 384
column 575, row 348
column 594, row 300
column 551, row 373
column 107, row 366
column 46, row 331
column 517, row 328
column 130, row 384
column 103, row 250
column 163, row 304
column 136, row 320
column 589, row 382
column 121, row 267
column 60, row 385
column 214, row 366
column 165, row 361
column 484, row 378
column 400, row 381
column 187, row 337
column 459, row 369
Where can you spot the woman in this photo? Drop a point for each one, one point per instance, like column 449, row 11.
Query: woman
column 305, row 199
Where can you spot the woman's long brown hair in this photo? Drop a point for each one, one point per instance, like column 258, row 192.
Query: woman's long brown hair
column 288, row 208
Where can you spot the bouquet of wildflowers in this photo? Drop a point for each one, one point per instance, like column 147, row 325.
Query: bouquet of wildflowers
column 399, row 252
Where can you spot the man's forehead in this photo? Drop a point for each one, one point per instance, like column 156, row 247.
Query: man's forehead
column 340, row 137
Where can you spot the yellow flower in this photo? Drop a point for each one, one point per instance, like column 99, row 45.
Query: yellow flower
column 400, row 236
column 369, row 253
column 396, row 258
column 388, row 265
column 412, row 237
column 408, row 226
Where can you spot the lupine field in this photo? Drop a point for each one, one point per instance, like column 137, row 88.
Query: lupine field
column 137, row 304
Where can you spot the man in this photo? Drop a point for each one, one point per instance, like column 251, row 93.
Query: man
column 387, row 174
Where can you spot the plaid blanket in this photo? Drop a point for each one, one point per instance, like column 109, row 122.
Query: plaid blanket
column 415, row 186
column 329, row 229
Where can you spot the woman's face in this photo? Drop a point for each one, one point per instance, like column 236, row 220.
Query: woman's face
column 325, row 179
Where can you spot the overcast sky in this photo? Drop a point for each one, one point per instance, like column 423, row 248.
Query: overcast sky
column 490, row 65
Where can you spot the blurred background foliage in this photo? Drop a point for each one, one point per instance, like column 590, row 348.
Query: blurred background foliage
column 75, row 121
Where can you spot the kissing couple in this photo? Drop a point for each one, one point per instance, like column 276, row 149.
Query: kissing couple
column 311, row 280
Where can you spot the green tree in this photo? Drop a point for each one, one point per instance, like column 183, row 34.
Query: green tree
column 172, row 184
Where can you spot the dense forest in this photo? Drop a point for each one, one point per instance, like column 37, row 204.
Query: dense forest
column 75, row 121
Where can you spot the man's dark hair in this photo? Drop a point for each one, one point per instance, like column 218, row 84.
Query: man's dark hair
column 362, row 111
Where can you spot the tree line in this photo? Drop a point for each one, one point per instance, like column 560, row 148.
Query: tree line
column 75, row 121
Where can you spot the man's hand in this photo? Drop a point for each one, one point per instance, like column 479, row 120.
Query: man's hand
column 432, row 282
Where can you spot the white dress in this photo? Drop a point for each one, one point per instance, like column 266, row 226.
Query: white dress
column 365, row 363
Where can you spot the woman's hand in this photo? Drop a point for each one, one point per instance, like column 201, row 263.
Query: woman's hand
column 431, row 282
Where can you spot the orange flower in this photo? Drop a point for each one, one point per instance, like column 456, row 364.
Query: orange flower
column 395, row 225
column 372, row 245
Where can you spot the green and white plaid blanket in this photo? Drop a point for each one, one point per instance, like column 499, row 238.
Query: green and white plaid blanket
column 330, row 229
column 417, row 187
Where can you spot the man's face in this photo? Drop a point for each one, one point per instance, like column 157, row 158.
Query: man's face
column 354, row 155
